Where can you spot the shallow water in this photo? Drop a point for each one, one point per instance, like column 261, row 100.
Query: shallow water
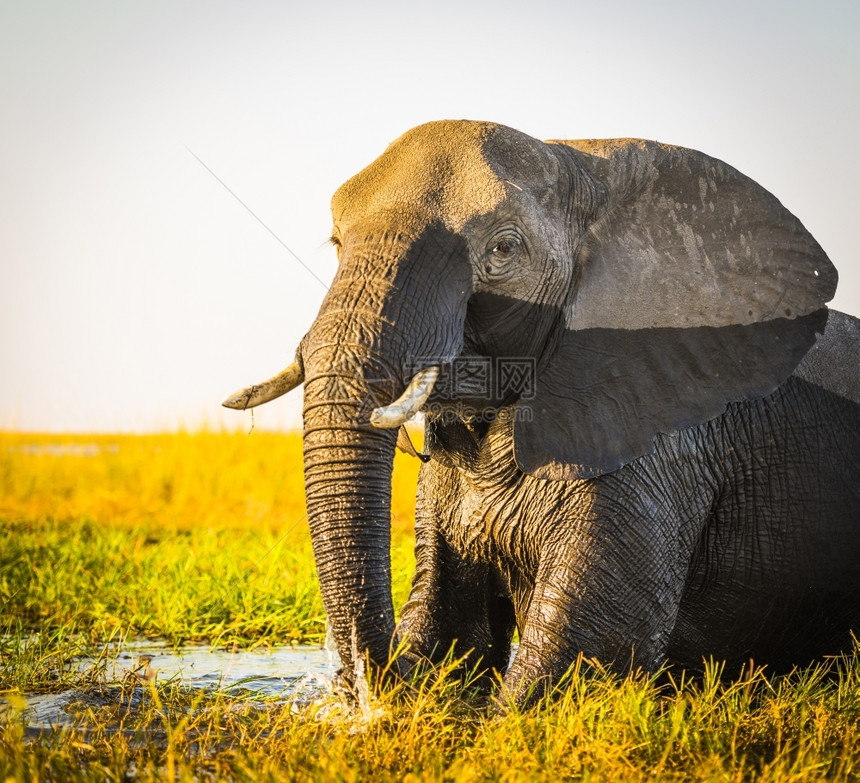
column 301, row 673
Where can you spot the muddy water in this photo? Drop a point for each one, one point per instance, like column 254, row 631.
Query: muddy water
column 299, row 673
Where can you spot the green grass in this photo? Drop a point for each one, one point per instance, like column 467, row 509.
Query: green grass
column 202, row 537
column 182, row 537
column 228, row 586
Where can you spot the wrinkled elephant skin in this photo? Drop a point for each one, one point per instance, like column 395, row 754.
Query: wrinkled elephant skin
column 644, row 423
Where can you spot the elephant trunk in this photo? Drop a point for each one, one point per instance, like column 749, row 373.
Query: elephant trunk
column 348, row 465
column 368, row 365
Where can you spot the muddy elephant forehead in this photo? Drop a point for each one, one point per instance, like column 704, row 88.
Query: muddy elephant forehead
column 436, row 171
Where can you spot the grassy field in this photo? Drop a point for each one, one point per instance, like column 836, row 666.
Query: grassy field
column 202, row 537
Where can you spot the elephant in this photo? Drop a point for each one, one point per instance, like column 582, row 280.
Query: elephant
column 640, row 418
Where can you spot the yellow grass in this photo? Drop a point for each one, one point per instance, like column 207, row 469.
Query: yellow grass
column 184, row 481
column 202, row 536
column 184, row 536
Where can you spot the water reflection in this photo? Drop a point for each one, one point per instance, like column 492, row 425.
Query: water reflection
column 300, row 673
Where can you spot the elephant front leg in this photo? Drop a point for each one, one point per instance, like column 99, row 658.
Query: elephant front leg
column 455, row 606
column 455, row 603
column 599, row 600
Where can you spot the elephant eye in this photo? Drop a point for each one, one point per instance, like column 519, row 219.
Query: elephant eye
column 503, row 249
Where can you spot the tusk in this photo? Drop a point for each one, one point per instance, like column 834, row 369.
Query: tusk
column 259, row 393
column 409, row 403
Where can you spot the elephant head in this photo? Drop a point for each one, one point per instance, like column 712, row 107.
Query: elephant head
column 641, row 286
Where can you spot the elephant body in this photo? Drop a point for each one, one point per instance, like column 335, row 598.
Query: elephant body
column 745, row 532
column 642, row 421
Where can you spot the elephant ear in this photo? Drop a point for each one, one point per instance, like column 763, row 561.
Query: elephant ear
column 694, row 287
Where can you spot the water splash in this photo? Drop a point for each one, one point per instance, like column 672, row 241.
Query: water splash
column 369, row 713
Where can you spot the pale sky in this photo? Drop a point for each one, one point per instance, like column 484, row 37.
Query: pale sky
column 136, row 292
